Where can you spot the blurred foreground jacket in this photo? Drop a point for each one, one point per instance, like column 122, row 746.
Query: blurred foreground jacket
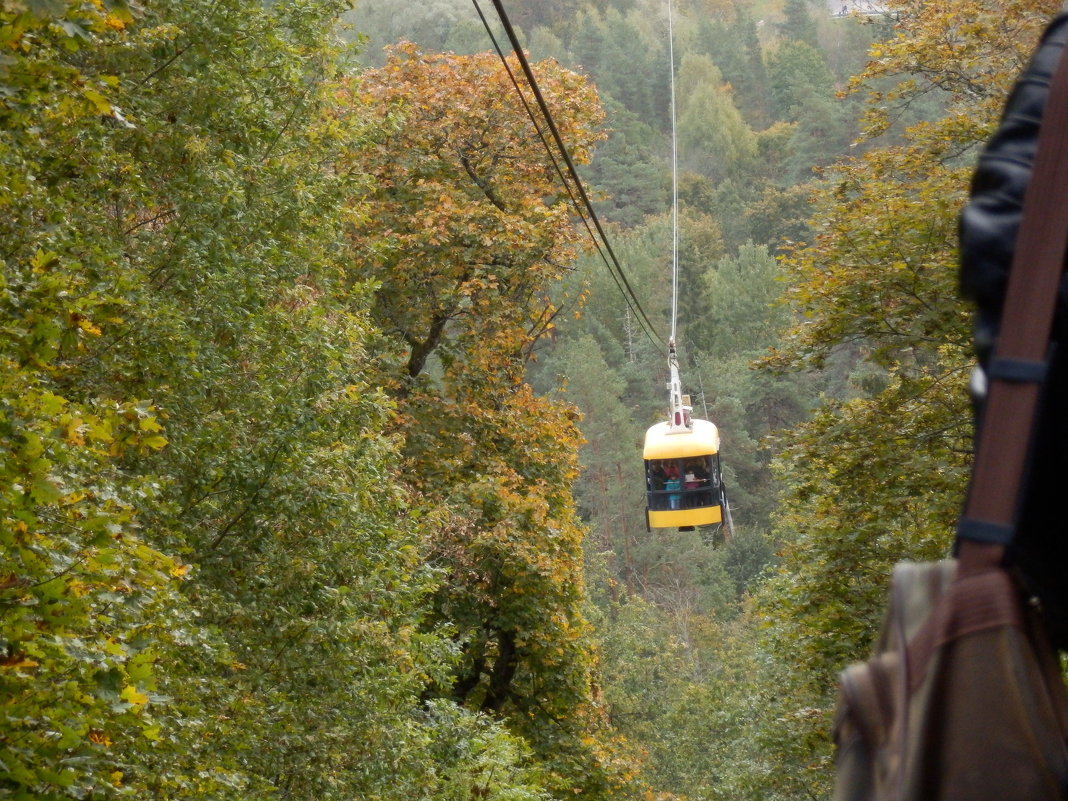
column 988, row 226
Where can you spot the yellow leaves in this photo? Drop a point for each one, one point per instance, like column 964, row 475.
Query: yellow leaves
column 17, row 661
column 196, row 146
column 98, row 101
column 178, row 571
column 149, row 424
column 86, row 325
column 155, row 443
column 32, row 446
column 43, row 261
column 72, row 498
column 73, row 431
column 151, row 733
column 132, row 695
column 888, row 221
column 21, row 529
column 964, row 47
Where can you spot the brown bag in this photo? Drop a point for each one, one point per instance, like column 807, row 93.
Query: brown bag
column 962, row 699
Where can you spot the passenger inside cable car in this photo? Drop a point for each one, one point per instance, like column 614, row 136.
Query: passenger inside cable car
column 687, row 483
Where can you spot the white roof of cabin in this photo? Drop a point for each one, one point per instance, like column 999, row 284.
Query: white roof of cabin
column 663, row 443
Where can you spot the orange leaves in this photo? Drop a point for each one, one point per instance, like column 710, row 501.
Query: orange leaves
column 465, row 244
column 466, row 237
column 99, row 737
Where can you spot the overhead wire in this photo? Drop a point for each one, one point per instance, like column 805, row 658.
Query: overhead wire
column 610, row 260
column 674, row 184
column 556, row 164
column 582, row 204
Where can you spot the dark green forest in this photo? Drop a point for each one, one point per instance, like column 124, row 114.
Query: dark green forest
column 321, row 418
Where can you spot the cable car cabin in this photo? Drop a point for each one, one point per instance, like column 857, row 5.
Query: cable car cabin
column 682, row 476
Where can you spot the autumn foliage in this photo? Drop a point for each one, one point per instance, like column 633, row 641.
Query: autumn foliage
column 472, row 229
column 295, row 498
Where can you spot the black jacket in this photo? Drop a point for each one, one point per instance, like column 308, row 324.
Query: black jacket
column 989, row 222
column 988, row 227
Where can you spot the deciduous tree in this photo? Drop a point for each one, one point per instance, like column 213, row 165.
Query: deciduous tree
column 470, row 231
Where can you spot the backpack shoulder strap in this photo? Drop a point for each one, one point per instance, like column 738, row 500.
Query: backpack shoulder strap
column 1018, row 366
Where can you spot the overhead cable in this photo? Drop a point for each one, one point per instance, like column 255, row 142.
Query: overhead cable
column 559, row 170
column 611, row 261
column 674, row 184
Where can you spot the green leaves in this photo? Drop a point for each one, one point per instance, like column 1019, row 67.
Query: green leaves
column 74, row 569
column 133, row 271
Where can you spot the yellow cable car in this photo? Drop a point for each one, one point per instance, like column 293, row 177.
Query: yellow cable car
column 684, row 485
column 682, row 476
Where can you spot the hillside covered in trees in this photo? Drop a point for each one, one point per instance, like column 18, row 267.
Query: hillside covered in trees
column 320, row 469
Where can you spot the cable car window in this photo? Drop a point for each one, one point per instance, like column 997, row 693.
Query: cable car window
column 682, row 483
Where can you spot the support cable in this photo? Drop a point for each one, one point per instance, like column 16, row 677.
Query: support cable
column 563, row 178
column 674, row 184
column 615, row 268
